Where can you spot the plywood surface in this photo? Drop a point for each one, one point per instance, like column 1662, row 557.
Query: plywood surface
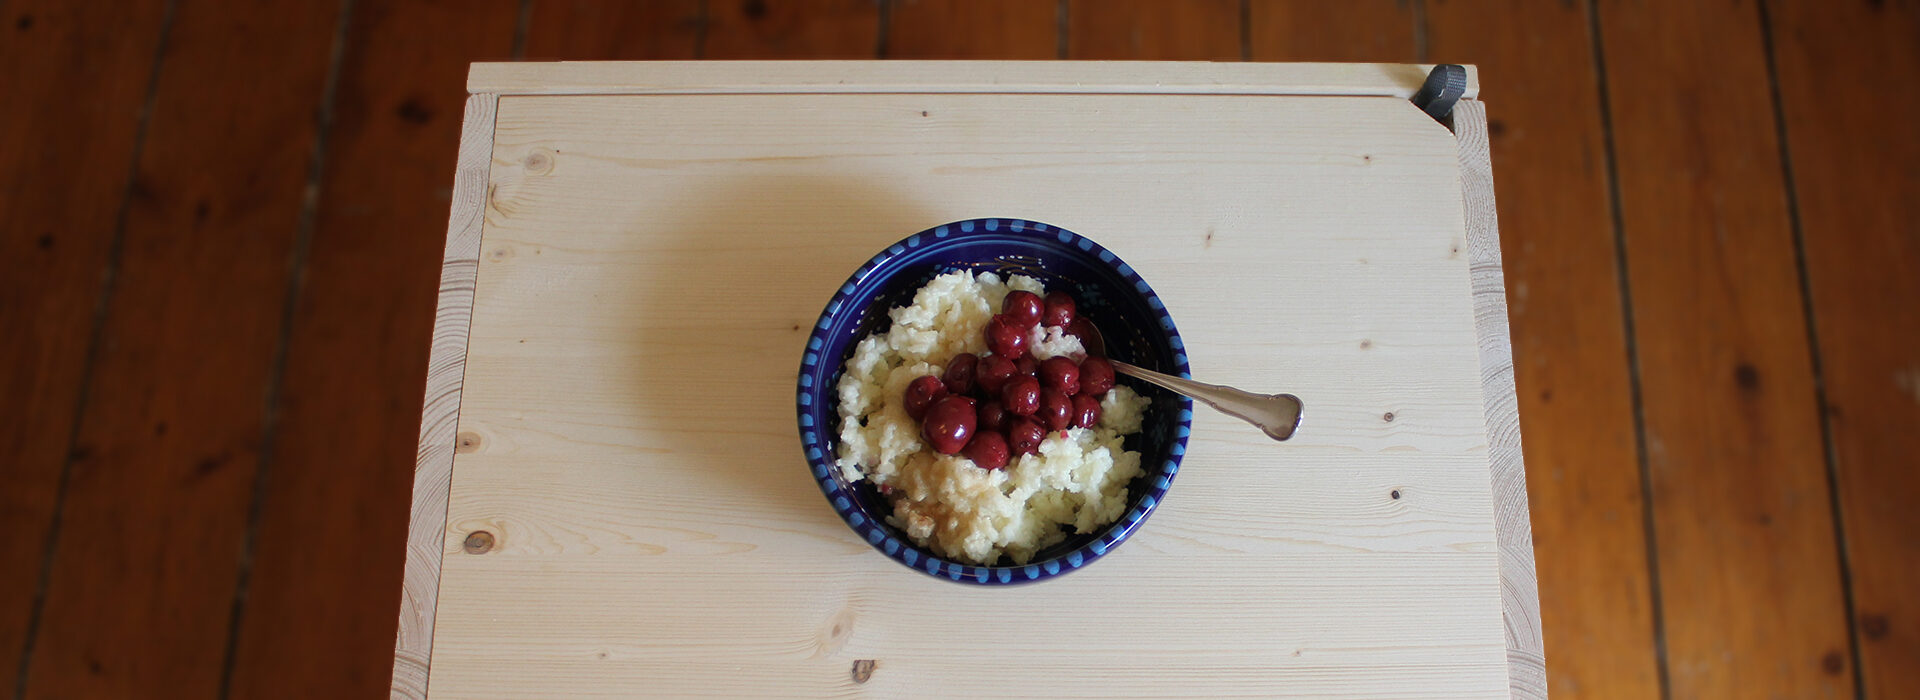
column 625, row 437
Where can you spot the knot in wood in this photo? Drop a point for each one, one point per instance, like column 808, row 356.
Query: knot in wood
column 478, row 542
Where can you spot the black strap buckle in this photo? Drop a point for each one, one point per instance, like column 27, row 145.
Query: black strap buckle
column 1444, row 87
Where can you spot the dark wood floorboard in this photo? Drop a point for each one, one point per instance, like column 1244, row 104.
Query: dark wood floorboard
column 594, row 30
column 320, row 607
column 1748, row 568
column 1569, row 336
column 141, row 585
column 1381, row 31
column 1850, row 141
column 973, row 29
column 78, row 74
column 792, row 29
column 236, row 429
column 1146, row 30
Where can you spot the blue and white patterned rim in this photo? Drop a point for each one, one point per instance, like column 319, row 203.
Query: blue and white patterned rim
column 815, row 442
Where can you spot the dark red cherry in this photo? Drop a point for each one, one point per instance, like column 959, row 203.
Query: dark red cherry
column 1026, row 366
column 950, row 424
column 1060, row 373
column 961, row 373
column 1023, row 307
column 921, row 393
column 1005, row 337
column 1024, row 435
column 1096, row 376
column 1086, row 411
column 991, row 416
column 1021, row 396
column 1056, row 410
column 988, row 450
column 1059, row 310
column 992, row 374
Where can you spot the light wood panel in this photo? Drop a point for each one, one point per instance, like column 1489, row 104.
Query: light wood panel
column 983, row 29
column 140, row 596
column 1748, row 570
column 1204, row 30
column 628, row 488
column 1556, row 225
column 327, row 554
column 966, row 77
column 1851, row 137
column 440, row 416
column 1383, row 30
column 1519, row 589
column 77, row 75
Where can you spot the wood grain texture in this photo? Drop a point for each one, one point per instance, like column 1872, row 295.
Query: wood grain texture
column 1569, row 345
column 1853, row 149
column 1382, row 31
column 742, row 582
column 953, row 77
column 772, row 29
column 1749, row 575
column 973, row 29
column 141, row 589
column 1314, row 30
column 1192, row 30
column 440, row 416
column 328, row 549
column 1289, row 30
column 77, row 75
column 1519, row 588
column 592, row 30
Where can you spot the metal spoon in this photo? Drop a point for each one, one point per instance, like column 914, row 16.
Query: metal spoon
column 1277, row 415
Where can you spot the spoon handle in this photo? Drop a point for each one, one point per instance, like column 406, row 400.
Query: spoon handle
column 1278, row 415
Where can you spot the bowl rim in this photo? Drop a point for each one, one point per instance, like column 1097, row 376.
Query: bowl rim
column 878, row 535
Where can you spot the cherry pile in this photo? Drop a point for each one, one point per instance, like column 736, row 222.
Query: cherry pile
column 992, row 408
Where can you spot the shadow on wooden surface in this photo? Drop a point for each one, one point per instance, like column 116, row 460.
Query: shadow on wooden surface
column 808, row 205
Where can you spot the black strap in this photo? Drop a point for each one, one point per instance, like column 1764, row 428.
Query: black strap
column 1444, row 87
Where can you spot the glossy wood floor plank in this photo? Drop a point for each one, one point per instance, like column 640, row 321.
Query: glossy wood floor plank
column 1851, row 138
column 1569, row 337
column 1748, row 567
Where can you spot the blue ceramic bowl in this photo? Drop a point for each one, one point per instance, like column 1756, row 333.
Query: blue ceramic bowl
column 1106, row 290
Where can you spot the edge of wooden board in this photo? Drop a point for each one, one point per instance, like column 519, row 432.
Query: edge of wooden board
column 433, row 470
column 440, row 415
column 1108, row 77
column 1513, row 526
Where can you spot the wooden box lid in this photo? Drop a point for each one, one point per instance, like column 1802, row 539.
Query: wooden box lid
column 611, row 498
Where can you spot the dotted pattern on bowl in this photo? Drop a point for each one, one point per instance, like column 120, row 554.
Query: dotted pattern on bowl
column 816, row 442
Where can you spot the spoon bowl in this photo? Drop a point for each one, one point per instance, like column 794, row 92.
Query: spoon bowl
column 1277, row 415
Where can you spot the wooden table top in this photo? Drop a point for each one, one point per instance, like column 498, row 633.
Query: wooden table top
column 611, row 497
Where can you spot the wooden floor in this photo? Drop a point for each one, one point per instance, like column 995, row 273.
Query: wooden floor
column 221, row 221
